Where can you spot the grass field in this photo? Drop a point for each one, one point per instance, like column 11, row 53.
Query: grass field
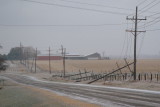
column 146, row 65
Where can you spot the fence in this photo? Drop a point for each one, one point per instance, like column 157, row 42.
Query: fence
column 90, row 76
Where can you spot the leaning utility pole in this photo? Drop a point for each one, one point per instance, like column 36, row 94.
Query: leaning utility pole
column 135, row 33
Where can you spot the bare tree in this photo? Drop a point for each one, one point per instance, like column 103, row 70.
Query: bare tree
column 1, row 46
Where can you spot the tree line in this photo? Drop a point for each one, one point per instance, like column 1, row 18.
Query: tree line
column 16, row 53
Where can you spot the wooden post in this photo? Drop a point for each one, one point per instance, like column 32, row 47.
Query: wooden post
column 80, row 74
column 49, row 60
column 63, row 56
column 145, row 76
column 35, row 61
column 32, row 64
column 86, row 74
column 139, row 78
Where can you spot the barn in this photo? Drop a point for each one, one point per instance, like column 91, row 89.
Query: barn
column 46, row 57
column 94, row 56
column 75, row 57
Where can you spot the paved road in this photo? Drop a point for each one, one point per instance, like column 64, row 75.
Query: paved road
column 115, row 97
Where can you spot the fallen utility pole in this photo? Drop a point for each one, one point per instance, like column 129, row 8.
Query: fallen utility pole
column 110, row 73
column 135, row 33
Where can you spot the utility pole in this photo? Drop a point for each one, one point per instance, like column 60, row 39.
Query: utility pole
column 49, row 60
column 27, row 59
column 35, row 64
column 135, row 33
column 20, row 52
column 63, row 56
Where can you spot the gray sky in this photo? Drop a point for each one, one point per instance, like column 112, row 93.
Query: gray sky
column 84, row 37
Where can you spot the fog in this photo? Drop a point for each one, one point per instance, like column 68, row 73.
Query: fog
column 80, row 27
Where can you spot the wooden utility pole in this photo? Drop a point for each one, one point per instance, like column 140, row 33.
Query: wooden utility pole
column 64, row 62
column 35, row 64
column 49, row 60
column 20, row 52
column 63, row 56
column 27, row 59
column 134, row 32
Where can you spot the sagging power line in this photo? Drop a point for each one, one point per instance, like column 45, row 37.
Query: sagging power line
column 73, row 7
column 56, row 25
column 99, row 5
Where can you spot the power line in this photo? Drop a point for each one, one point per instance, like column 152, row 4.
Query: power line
column 150, row 7
column 153, row 14
column 142, row 2
column 8, row 25
column 73, row 7
column 147, row 5
column 151, row 22
column 153, row 30
column 141, row 44
column 99, row 5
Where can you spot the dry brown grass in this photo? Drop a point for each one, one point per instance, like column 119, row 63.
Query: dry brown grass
column 62, row 99
column 147, row 65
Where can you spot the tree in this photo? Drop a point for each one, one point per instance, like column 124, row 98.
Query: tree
column 19, row 53
column 3, row 65
column 15, row 54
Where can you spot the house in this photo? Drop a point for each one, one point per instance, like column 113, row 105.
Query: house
column 94, row 56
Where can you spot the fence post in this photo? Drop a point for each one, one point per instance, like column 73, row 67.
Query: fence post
column 92, row 75
column 151, row 76
column 125, row 76
column 80, row 74
column 145, row 76
column 85, row 73
column 139, row 77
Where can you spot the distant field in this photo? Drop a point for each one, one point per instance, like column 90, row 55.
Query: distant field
column 147, row 65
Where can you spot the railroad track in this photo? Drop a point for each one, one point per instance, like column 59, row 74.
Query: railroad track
column 97, row 94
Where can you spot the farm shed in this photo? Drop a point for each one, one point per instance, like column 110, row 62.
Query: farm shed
column 94, row 56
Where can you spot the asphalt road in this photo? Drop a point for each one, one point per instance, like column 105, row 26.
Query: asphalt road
column 106, row 96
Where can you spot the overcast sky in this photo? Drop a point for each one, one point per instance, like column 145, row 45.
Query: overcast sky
column 81, row 26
